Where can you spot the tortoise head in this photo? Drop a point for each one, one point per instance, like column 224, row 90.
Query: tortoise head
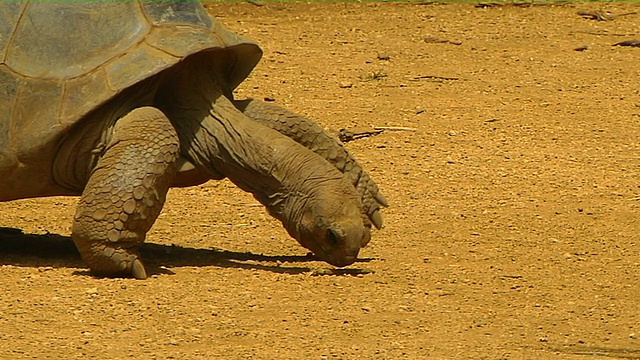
column 333, row 230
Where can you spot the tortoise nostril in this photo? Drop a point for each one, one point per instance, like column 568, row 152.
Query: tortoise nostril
column 333, row 237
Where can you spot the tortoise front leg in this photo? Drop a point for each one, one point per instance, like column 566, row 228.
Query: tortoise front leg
column 125, row 193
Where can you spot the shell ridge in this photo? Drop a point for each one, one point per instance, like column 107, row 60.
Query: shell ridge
column 13, row 35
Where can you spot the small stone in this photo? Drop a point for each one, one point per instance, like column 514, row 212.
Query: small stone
column 383, row 57
column 581, row 48
column 269, row 99
column 346, row 85
column 173, row 342
column 92, row 291
column 366, row 309
column 440, row 292
column 419, row 110
column 633, row 336
column 452, row 133
column 543, row 339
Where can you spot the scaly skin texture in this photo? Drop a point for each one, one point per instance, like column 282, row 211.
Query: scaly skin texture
column 125, row 193
column 315, row 138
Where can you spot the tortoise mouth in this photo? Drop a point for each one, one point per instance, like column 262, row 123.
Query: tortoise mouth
column 339, row 258
column 343, row 261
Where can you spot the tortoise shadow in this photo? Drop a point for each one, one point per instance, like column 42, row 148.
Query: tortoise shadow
column 58, row 251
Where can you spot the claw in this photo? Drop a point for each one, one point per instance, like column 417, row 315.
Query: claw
column 137, row 270
column 382, row 201
column 376, row 219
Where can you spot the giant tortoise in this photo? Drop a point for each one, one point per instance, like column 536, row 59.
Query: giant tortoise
column 118, row 101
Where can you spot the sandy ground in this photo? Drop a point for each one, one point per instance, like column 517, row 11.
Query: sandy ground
column 513, row 230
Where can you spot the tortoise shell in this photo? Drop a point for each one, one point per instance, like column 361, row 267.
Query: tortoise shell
column 61, row 60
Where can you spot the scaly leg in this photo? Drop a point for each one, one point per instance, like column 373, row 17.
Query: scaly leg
column 125, row 193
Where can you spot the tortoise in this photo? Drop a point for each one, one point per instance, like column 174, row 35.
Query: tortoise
column 116, row 102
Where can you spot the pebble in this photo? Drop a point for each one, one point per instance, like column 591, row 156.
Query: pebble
column 92, row 291
column 633, row 336
column 346, row 85
column 439, row 292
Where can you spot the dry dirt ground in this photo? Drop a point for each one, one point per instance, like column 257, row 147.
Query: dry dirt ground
column 513, row 230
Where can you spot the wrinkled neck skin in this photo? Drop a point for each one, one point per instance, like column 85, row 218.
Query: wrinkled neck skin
column 307, row 194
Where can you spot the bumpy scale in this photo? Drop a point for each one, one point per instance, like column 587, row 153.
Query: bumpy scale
column 126, row 192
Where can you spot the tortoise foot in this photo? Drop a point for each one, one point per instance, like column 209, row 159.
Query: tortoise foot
column 108, row 261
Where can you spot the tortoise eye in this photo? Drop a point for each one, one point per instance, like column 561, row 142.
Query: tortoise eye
column 333, row 237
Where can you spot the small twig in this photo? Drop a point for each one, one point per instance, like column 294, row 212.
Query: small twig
column 602, row 15
column 346, row 135
column 517, row 4
column 619, row 353
column 394, row 128
column 437, row 40
column 434, row 77
column 633, row 42
column 241, row 204
column 600, row 33
column 511, row 276
column 595, row 15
